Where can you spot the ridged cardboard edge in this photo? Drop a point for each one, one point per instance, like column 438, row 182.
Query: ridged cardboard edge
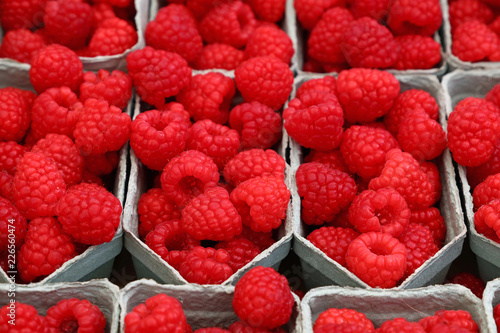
column 203, row 305
column 99, row 292
column 380, row 305
column 491, row 297
column 433, row 270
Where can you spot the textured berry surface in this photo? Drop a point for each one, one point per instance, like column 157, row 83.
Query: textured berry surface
column 400, row 325
column 15, row 14
column 113, row 36
column 474, row 41
column 103, row 164
column 377, row 9
column 459, row 318
column 417, row 52
column 410, row 17
column 309, row 12
column 268, row 10
column 486, row 191
column 471, row 281
column 486, row 220
column 155, row 208
column 494, row 95
column 205, row 266
column 241, row 251
column 27, row 319
column 169, row 236
column 6, row 184
column 327, row 84
column 343, row 316
column 462, row 11
column 420, row 246
column 77, row 314
column 333, row 241
column 11, row 223
column 15, row 116
column 331, row 158
column 219, row 55
column 433, row 220
column 114, row 87
column 496, row 315
column 269, row 41
column 10, row 154
column 20, row 45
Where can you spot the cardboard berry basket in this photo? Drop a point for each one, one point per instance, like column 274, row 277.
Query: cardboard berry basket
column 320, row 270
column 101, row 292
column 203, row 305
column 380, row 305
column 109, row 62
column 491, row 297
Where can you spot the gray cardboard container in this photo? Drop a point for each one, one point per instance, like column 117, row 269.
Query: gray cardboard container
column 102, row 293
column 380, row 305
column 457, row 86
column 296, row 33
column 203, row 305
column 112, row 62
column 319, row 270
column 491, row 297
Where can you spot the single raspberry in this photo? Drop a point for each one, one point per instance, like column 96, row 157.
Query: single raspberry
column 15, row 14
column 458, row 318
column 169, row 236
column 377, row 9
column 13, row 226
column 462, row 11
column 159, row 310
column 432, row 171
column 46, row 248
column 341, row 328
column 114, row 87
column 76, row 315
column 28, row 95
column 262, row 239
column 174, row 30
column 15, row 117
column 170, row 71
column 10, row 154
column 263, row 285
column 268, row 10
column 324, row 192
column 315, row 120
column 200, row 8
column 241, row 251
column 261, row 202
column 188, row 175
column 219, row 55
column 327, row 84
column 333, row 241
column 101, row 165
column 274, row 84
column 366, row 94
column 27, row 319
column 446, row 327
column 6, row 184
column 101, row 12
column 331, row 158
column 400, row 325
column 309, row 12
column 471, row 281
column 432, row 219
column 229, row 23
column 113, row 36
column 205, row 266
column 20, row 45
column 325, row 39
column 474, row 41
column 343, row 316
column 154, row 208
column 416, row 52
column 269, row 41
column 89, row 226
column 478, row 174
column 55, row 66
column 408, row 17
column 243, row 327
column 420, row 246
column 486, row 220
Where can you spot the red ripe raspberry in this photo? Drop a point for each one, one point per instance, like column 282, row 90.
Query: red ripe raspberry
column 331, row 158
column 174, row 30
column 324, row 42
column 170, row 71
column 38, row 186
column 487, row 191
column 188, row 175
column 384, row 210
column 228, row 23
column 89, row 226
column 101, row 128
column 208, row 96
column 68, row 22
column 101, row 12
column 218, row 55
column 341, row 328
column 420, row 246
column 113, row 36
column 327, row 84
column 315, row 120
column 377, row 258
column 366, row 94
column 263, row 285
column 416, row 52
column 400, row 325
column 494, row 95
column 333, row 241
column 459, row 318
column 20, row 45
column 28, row 95
column 76, row 314
column 205, row 266
column 432, row 172
column 15, row 14
column 269, row 41
column 377, row 9
column 211, row 330
column 154, row 208
column 200, row 8
column 433, row 220
column 89, row 177
column 6, row 184
column 10, row 154
column 169, row 236
column 486, row 220
column 471, row 281
column 114, row 87
column 101, row 165
column 477, row 175
column 261, row 202
column 462, row 11
column 496, row 315
column 274, row 84
column 56, row 110
column 309, row 12
column 262, row 239
column 241, row 251
column 367, row 43
column 343, row 316
column 15, row 116
column 46, row 248
column 56, row 66
column 11, row 221
column 324, row 192
column 27, row 319
column 268, row 10
column 408, row 17
column 474, row 41
column 161, row 308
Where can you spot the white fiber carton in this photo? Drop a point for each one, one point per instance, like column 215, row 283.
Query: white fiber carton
column 491, row 298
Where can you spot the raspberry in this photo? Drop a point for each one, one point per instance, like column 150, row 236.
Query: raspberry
column 101, row 12
column 46, row 248
column 494, row 95
column 262, row 239
column 462, row 11
column 471, row 281
column 496, row 315
column 114, row 87
column 174, row 30
column 89, row 226
column 170, row 71
column 486, row 220
column 324, row 42
column 254, row 163
column 113, row 36
column 200, row 8
column 56, row 110
column 420, row 246
column 458, row 318
column 327, row 84
column 6, row 183
column 20, row 45
column 211, row 330
column 263, row 285
column 324, row 192
column 331, row 158
column 228, row 23
column 432, row 172
column 408, row 17
column 343, row 316
column 417, row 52
column 433, row 220
column 11, row 223
column 158, row 310
column 269, row 41
column 266, row 10
column 341, row 328
column 56, row 66
column 27, row 319
column 208, row 96
column 101, row 128
column 68, row 22
column 333, row 241
column 205, row 266
column 363, row 149
column 74, row 314
column 367, row 43
column 169, row 236
column 243, row 327
column 218, row 55
column 154, row 208
column 377, row 9
column 366, row 94
column 309, row 12
column 315, row 120
column 10, row 154
column 28, row 95
column 241, row 251
column 273, row 85
column 400, row 325
column 478, row 174
column 188, row 175
column 15, row 116
column 15, row 14
column 384, row 210
column 101, row 165
column 445, row 327
column 474, row 41
column 261, row 202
